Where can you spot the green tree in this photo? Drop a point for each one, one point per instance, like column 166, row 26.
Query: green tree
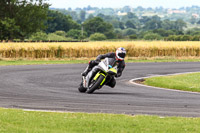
column 97, row 37
column 56, row 37
column 129, row 24
column 28, row 16
column 115, row 23
column 178, row 38
column 39, row 36
column 110, row 34
column 163, row 32
column 131, row 15
column 121, row 25
column 193, row 20
column 90, row 16
column 134, row 36
column 8, row 29
column 198, row 22
column 144, row 19
column 180, row 24
column 152, row 36
column 171, row 38
column 58, row 21
column 82, row 15
column 186, row 38
column 61, row 33
column 97, row 25
column 196, row 38
column 153, row 23
column 193, row 31
column 101, row 15
column 167, row 24
column 129, row 31
column 76, row 34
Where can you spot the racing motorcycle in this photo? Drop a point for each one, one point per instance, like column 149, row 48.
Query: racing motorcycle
column 99, row 76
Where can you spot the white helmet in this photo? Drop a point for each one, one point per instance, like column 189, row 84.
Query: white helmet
column 120, row 53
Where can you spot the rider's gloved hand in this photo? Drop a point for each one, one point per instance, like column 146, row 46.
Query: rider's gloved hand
column 97, row 61
column 94, row 62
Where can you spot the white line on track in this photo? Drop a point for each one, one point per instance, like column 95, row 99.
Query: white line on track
column 132, row 82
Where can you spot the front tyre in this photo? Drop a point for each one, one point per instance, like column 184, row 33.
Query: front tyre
column 96, row 85
column 82, row 89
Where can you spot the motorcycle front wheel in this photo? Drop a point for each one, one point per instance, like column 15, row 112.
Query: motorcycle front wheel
column 96, row 84
column 82, row 89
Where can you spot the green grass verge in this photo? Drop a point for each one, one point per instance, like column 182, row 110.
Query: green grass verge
column 38, row 62
column 185, row 82
column 163, row 60
column 76, row 61
column 19, row 121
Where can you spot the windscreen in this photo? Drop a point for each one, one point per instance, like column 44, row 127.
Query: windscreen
column 112, row 62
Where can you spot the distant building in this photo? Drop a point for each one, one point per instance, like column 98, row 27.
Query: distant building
column 121, row 13
column 171, row 11
column 195, row 15
column 149, row 14
column 90, row 11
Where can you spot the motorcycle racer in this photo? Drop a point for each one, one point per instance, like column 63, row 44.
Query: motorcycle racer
column 119, row 56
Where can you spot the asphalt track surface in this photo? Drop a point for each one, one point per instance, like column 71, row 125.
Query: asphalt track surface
column 54, row 87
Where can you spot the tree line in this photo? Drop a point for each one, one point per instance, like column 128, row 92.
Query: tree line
column 32, row 20
column 21, row 18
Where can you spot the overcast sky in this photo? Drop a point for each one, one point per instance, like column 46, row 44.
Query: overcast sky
column 121, row 3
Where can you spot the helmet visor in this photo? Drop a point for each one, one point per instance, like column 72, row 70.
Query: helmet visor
column 121, row 55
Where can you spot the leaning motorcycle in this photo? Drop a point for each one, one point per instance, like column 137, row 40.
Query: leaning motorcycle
column 99, row 76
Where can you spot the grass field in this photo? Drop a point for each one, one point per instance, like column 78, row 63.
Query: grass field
column 19, row 121
column 92, row 49
column 40, row 62
column 185, row 82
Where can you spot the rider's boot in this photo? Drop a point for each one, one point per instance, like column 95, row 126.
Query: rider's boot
column 86, row 71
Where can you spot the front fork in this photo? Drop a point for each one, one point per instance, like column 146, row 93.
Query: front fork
column 84, row 82
column 97, row 75
column 95, row 78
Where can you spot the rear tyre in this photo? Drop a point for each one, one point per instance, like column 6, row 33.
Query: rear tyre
column 96, row 85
